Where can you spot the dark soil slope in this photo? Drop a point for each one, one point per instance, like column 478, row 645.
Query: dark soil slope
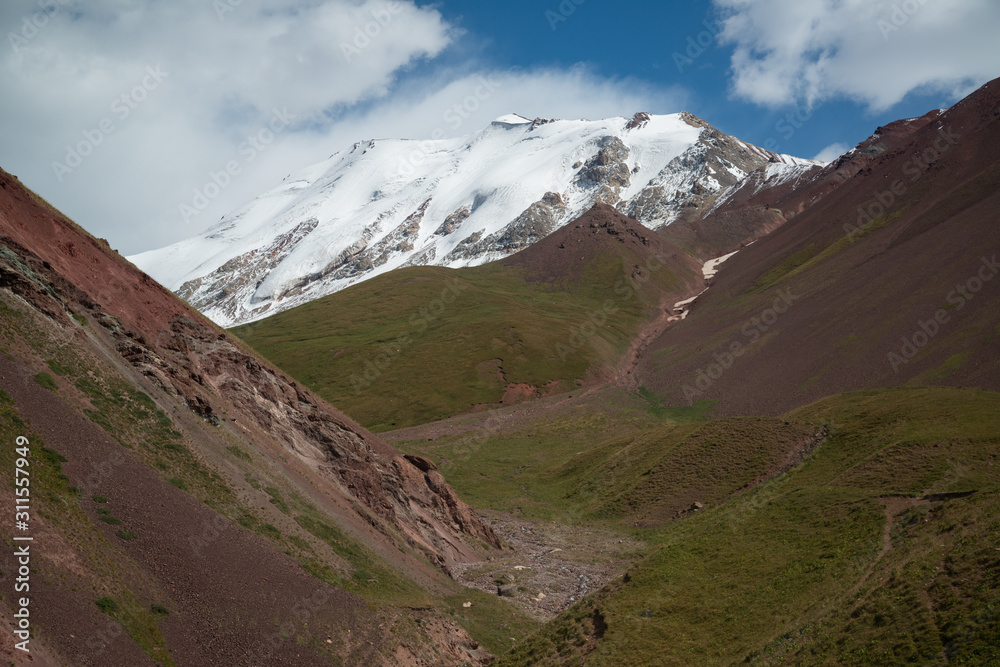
column 562, row 257
column 217, row 512
column 761, row 203
column 888, row 276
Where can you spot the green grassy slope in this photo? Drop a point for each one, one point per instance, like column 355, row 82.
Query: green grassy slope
column 849, row 558
column 612, row 459
column 423, row 343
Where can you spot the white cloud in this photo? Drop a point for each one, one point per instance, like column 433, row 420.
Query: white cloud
column 225, row 75
column 63, row 73
column 831, row 152
column 871, row 51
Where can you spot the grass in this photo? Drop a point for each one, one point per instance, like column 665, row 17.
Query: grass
column 239, row 453
column 654, row 477
column 681, row 413
column 379, row 583
column 784, row 269
column 52, row 456
column 614, row 464
column 277, row 500
column 140, row 624
column 59, row 503
column 135, row 420
column 793, row 571
column 787, row 563
column 107, row 605
column 951, row 364
column 391, row 353
column 511, row 470
column 489, row 619
column 46, row 381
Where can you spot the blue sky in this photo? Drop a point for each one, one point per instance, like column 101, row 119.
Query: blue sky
column 654, row 42
column 172, row 100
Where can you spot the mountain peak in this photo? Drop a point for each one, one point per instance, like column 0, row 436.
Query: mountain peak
column 602, row 231
column 453, row 202
column 512, row 119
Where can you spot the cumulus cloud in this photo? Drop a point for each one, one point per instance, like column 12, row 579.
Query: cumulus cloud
column 831, row 152
column 117, row 110
column 147, row 121
column 454, row 103
column 872, row 51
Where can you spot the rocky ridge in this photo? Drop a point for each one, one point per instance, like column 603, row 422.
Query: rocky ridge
column 454, row 203
column 59, row 269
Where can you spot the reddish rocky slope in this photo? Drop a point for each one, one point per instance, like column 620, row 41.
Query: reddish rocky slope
column 885, row 274
column 69, row 300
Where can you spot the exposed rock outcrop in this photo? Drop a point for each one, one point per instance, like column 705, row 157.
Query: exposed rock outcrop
column 190, row 358
column 453, row 221
column 534, row 224
column 606, row 172
column 224, row 287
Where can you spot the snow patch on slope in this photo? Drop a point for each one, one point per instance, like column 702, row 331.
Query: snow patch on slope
column 711, row 267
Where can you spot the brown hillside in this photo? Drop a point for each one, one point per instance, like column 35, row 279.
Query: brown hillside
column 66, row 295
column 888, row 239
column 759, row 205
column 563, row 255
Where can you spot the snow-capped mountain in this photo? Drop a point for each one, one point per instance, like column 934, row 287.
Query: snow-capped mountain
column 385, row 204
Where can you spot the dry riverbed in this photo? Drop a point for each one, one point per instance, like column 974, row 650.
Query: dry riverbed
column 552, row 566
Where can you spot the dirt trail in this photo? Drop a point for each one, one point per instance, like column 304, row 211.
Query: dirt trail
column 495, row 419
column 894, row 506
column 669, row 313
